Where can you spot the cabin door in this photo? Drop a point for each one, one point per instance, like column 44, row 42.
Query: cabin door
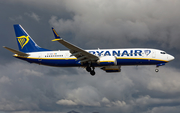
column 154, row 54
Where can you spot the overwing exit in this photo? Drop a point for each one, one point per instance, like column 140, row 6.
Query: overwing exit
column 109, row 60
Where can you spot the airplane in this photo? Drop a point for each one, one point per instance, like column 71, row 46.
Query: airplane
column 109, row 60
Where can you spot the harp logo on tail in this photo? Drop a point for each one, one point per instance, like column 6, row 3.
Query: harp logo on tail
column 23, row 40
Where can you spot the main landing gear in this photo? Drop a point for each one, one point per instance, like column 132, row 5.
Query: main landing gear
column 91, row 70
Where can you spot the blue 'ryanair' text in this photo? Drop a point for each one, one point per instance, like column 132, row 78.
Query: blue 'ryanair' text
column 117, row 53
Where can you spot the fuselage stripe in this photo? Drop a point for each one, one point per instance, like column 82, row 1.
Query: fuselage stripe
column 125, row 58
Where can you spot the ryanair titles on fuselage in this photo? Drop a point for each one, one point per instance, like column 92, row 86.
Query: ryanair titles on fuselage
column 120, row 52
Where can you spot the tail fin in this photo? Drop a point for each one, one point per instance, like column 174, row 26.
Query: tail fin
column 25, row 42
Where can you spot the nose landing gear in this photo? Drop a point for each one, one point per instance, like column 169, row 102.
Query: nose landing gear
column 156, row 70
column 157, row 65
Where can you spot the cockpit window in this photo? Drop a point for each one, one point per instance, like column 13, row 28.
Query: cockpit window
column 163, row 52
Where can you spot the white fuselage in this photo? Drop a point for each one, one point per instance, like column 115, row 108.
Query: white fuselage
column 130, row 56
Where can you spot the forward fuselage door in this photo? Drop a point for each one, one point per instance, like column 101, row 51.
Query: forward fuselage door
column 154, row 54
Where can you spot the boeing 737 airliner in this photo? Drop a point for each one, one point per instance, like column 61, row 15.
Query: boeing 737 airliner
column 109, row 60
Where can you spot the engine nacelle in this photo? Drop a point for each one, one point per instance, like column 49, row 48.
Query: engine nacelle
column 112, row 69
column 107, row 61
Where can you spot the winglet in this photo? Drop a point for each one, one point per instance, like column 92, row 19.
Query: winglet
column 57, row 37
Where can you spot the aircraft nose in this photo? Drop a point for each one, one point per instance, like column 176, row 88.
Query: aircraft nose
column 170, row 57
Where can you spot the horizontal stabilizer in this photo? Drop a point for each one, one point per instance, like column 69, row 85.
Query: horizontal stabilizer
column 16, row 52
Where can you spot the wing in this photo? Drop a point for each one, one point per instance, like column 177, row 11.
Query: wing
column 79, row 53
column 16, row 52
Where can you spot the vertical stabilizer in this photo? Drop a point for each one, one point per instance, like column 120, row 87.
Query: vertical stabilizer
column 25, row 42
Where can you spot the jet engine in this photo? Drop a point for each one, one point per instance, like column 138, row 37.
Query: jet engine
column 109, row 69
column 107, row 61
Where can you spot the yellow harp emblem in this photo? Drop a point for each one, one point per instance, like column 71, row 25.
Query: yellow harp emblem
column 23, row 40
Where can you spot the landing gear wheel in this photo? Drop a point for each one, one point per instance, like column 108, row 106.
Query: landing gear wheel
column 92, row 73
column 88, row 69
column 156, row 70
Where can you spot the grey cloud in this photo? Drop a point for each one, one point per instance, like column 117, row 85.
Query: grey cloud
column 123, row 20
column 16, row 18
column 164, row 109
column 33, row 16
column 30, row 88
column 66, row 102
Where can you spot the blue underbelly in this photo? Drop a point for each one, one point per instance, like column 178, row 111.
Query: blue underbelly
column 74, row 62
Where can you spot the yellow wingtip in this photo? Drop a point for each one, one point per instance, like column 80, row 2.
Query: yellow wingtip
column 55, row 39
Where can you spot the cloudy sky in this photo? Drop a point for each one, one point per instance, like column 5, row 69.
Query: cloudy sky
column 91, row 24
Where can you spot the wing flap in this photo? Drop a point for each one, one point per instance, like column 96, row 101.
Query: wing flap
column 16, row 52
